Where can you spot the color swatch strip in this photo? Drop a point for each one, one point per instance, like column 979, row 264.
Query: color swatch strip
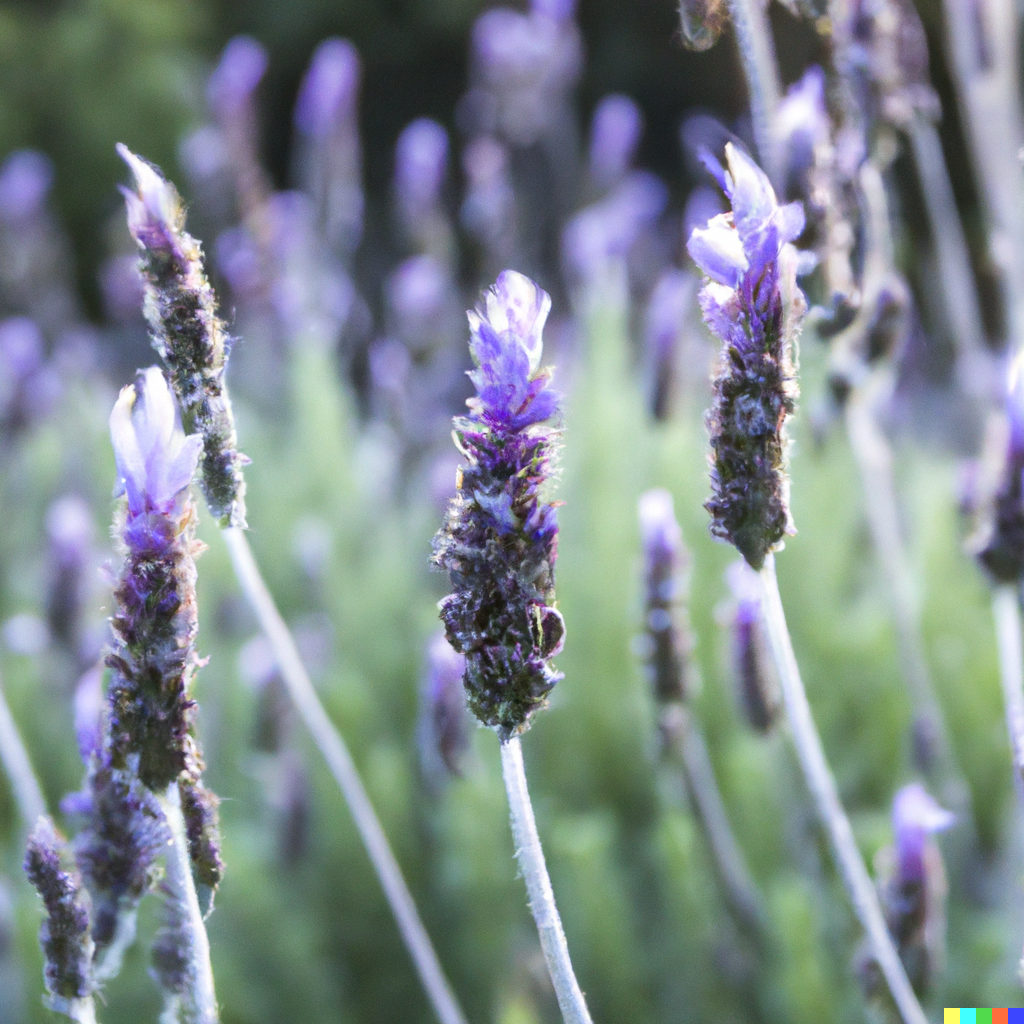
column 974, row 1015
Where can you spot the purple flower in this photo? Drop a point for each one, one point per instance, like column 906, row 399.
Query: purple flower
column 916, row 817
column 506, row 345
column 667, row 313
column 751, row 301
column 499, row 542
column 330, row 88
column 155, row 213
column 89, row 713
column 802, row 122
column 444, row 725
column 155, row 460
column 614, row 135
column 242, row 66
column 26, row 178
column 421, row 158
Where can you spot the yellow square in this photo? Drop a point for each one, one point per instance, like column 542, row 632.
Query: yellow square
column 951, row 1016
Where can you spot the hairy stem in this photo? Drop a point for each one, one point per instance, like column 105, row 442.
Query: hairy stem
column 687, row 744
column 335, row 751
column 200, row 1000
column 830, row 811
column 757, row 52
column 1006, row 612
column 24, row 784
column 538, row 886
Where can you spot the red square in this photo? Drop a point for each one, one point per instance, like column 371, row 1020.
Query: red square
column 1000, row 1016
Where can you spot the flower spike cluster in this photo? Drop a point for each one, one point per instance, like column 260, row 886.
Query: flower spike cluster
column 751, row 301
column 499, row 541
column 187, row 333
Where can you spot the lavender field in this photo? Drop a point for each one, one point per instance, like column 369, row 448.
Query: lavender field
column 644, row 646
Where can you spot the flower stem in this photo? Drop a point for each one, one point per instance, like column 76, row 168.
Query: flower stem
column 1006, row 612
column 833, row 818
column 757, row 52
column 538, row 886
column 686, row 742
column 201, row 999
column 24, row 784
column 335, row 751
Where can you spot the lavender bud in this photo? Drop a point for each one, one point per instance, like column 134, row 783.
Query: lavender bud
column 89, row 713
column 614, row 135
column 117, row 853
column 444, row 722
column 232, row 84
column 421, row 157
column 499, row 541
column 200, row 808
column 330, row 88
column 757, row 681
column 701, row 22
column 802, row 124
column 65, row 935
column 751, row 301
column 154, row 623
column 912, row 883
column 182, row 313
column 998, row 540
column 665, row 567
column 667, row 312
column 26, row 392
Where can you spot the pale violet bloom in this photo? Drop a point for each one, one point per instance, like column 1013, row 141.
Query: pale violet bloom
column 155, row 460
column 916, row 816
column 515, row 306
column 660, row 533
column 154, row 207
column 614, row 135
column 330, row 89
column 242, row 66
column 421, row 158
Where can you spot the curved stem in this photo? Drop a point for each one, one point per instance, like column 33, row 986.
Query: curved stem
column 538, row 886
column 757, row 53
column 24, row 783
column 686, row 741
column 339, row 760
column 826, row 800
column 200, row 999
column 1006, row 612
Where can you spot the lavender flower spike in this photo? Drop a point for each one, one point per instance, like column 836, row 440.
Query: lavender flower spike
column 190, row 338
column 750, row 300
column 499, row 542
column 154, row 624
column 65, row 934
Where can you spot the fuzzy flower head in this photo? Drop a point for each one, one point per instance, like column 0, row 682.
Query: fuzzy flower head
column 506, row 346
column 751, row 301
column 916, row 817
column 155, row 460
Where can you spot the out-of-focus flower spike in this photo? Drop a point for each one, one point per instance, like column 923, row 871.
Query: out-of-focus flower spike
column 757, row 680
column 499, row 542
column 665, row 323
column 242, row 66
column 752, row 303
column 182, row 314
column 330, row 88
column 444, row 721
column 89, row 713
column 66, row 934
column 615, row 132
column 421, row 160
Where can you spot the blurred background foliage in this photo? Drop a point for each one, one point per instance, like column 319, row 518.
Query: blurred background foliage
column 301, row 932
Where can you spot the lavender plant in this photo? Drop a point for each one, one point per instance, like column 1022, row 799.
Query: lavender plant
column 752, row 303
column 498, row 545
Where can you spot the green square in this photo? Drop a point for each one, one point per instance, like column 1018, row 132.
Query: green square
column 984, row 1016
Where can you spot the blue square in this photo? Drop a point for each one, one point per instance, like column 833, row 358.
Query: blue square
column 1015, row 1015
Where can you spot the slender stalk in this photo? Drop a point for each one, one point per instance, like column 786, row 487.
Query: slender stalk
column 538, row 886
column 24, row 784
column 757, row 52
column 833, row 818
column 960, row 297
column 1006, row 612
column 687, row 744
column 201, row 998
column 933, row 750
column 339, row 760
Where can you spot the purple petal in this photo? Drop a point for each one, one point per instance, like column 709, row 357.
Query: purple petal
column 718, row 251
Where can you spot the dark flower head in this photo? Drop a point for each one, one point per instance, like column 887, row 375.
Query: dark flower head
column 499, row 541
column 751, row 301
column 155, row 460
